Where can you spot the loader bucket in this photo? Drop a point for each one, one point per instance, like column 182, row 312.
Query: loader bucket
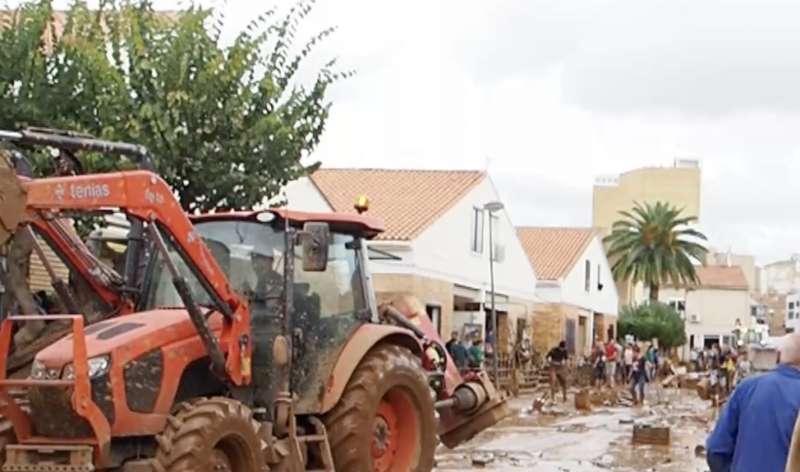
column 12, row 199
column 457, row 427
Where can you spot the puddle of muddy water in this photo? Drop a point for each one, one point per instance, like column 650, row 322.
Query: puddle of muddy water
column 595, row 441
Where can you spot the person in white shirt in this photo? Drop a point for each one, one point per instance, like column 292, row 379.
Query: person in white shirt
column 628, row 358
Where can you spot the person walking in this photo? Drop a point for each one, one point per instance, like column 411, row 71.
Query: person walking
column 621, row 377
column 628, row 359
column 694, row 357
column 754, row 430
column 612, row 357
column 476, row 354
column 458, row 352
column 599, row 364
column 638, row 375
column 557, row 360
column 714, row 370
column 650, row 361
column 743, row 368
column 730, row 371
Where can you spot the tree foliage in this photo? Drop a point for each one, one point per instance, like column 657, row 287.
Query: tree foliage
column 653, row 320
column 653, row 244
column 227, row 122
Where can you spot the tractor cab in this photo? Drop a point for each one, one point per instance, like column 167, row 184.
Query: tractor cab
column 304, row 270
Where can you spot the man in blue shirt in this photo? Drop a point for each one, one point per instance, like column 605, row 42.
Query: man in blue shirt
column 457, row 351
column 755, row 428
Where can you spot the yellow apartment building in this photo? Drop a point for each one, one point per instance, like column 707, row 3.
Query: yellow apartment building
column 678, row 185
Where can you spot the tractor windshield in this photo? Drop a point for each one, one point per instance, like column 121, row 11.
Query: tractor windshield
column 252, row 256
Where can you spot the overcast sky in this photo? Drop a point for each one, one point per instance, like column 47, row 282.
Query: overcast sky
column 547, row 94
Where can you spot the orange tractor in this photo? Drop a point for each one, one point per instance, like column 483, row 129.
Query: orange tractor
column 256, row 344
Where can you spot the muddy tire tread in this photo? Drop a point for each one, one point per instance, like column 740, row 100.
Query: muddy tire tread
column 347, row 421
column 190, row 428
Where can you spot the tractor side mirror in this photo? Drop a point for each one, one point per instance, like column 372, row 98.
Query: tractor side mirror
column 316, row 238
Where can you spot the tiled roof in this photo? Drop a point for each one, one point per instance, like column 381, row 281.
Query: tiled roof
column 554, row 251
column 722, row 277
column 408, row 201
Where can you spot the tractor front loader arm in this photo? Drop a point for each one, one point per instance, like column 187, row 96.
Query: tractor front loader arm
column 145, row 196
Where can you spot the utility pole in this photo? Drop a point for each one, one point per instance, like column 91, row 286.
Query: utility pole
column 492, row 207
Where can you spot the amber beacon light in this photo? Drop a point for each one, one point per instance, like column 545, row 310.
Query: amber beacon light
column 362, row 204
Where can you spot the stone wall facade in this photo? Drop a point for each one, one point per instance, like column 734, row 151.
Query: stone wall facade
column 430, row 291
column 427, row 290
column 550, row 325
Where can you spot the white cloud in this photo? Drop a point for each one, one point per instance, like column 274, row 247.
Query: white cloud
column 549, row 93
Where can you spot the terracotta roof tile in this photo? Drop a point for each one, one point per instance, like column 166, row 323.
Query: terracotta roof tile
column 554, row 251
column 722, row 277
column 408, row 201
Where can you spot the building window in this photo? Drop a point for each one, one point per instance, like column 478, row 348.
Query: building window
column 435, row 315
column 678, row 305
column 477, row 230
column 588, row 276
column 498, row 251
column 599, row 278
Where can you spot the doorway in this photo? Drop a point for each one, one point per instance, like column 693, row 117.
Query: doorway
column 582, row 335
column 435, row 314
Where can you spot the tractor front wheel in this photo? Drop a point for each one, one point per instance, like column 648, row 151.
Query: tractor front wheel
column 211, row 434
column 385, row 420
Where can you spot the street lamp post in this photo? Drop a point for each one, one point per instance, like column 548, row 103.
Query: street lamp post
column 492, row 207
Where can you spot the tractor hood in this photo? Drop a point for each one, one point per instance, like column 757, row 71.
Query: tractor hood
column 148, row 329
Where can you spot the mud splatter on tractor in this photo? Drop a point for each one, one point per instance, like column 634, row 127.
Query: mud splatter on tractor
column 255, row 344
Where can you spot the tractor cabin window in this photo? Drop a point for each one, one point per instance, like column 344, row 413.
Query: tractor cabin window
column 336, row 291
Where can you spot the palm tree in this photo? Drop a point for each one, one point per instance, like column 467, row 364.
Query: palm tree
column 653, row 244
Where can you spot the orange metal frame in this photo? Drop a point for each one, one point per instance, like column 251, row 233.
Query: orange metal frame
column 64, row 249
column 145, row 195
column 82, row 401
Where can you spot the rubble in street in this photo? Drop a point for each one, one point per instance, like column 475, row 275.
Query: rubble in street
column 666, row 434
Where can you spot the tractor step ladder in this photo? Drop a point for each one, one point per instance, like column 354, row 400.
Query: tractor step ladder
column 320, row 439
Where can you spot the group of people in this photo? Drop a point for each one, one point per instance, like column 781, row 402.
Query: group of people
column 612, row 364
column 726, row 366
column 466, row 357
column 757, row 429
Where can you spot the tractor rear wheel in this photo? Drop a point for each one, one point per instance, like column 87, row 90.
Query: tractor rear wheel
column 211, row 434
column 385, row 421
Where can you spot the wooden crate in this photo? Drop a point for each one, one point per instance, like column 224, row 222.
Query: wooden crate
column 653, row 435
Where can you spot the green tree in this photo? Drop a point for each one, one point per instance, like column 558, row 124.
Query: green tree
column 653, row 244
column 654, row 320
column 226, row 122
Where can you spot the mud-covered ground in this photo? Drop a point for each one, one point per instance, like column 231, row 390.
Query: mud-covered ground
column 561, row 439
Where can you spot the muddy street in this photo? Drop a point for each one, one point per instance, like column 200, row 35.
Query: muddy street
column 562, row 439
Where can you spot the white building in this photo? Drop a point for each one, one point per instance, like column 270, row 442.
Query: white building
column 792, row 322
column 436, row 244
column 714, row 308
column 783, row 277
column 573, row 274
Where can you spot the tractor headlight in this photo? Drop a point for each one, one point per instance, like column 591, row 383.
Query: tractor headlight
column 39, row 371
column 98, row 366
